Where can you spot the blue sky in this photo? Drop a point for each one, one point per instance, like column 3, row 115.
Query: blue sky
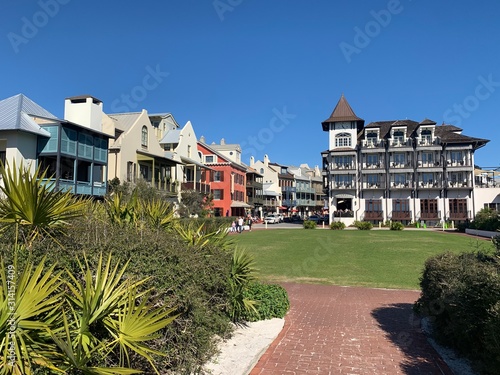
column 263, row 74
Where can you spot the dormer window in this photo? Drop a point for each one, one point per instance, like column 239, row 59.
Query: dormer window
column 398, row 137
column 343, row 140
column 426, row 136
column 210, row 159
column 371, row 138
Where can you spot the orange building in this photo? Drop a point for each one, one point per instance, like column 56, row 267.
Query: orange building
column 227, row 177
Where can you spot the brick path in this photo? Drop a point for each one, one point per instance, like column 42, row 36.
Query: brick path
column 342, row 330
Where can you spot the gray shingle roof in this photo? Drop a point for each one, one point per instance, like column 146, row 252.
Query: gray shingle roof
column 15, row 115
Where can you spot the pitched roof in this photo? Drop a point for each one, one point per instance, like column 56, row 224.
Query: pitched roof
column 124, row 121
column 385, row 127
column 427, row 121
column 451, row 134
column 342, row 112
column 15, row 115
column 172, row 136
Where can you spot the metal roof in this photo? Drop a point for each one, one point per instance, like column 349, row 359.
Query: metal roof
column 172, row 136
column 15, row 111
column 124, row 121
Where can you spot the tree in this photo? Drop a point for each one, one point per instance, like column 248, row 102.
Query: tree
column 195, row 203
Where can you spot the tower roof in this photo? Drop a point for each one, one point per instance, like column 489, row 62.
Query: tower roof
column 342, row 112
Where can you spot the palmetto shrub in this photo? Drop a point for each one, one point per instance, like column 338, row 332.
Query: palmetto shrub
column 363, row 225
column 396, row 225
column 337, row 225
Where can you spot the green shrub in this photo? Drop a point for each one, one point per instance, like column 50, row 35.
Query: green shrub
column 496, row 242
column 363, row 225
column 486, row 219
column 337, row 225
column 461, row 294
column 272, row 301
column 396, row 225
column 309, row 224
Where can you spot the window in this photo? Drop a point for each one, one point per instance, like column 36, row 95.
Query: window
column 343, row 140
column 373, row 205
column 427, row 178
column 210, row 159
column 343, row 180
column 85, row 146
column 427, row 158
column 262, row 171
column 144, row 170
column 371, row 138
column 398, row 137
column 426, row 137
column 456, row 156
column 144, row 136
column 399, row 159
column 68, row 141
column 218, row 194
column 343, row 161
column 372, row 179
column 189, row 151
column 217, row 176
column 372, row 159
column 401, row 205
column 400, row 179
column 428, row 206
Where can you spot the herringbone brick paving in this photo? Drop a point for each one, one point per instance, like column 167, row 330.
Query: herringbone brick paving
column 350, row 330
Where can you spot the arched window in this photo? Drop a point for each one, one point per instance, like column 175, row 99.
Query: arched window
column 343, row 140
column 262, row 171
column 144, row 136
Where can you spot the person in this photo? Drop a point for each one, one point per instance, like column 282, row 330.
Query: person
column 249, row 223
column 240, row 224
column 233, row 226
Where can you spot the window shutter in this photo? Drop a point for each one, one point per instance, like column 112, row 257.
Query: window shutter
column 221, row 176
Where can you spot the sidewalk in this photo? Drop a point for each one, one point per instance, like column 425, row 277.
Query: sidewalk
column 350, row 330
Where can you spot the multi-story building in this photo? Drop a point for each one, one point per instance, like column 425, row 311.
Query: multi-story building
column 73, row 150
column 227, row 177
column 271, row 185
column 399, row 170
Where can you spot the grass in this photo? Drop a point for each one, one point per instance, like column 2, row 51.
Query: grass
column 382, row 259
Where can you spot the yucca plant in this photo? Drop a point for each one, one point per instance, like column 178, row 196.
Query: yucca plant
column 29, row 303
column 120, row 212
column 30, row 202
column 196, row 235
column 241, row 274
column 158, row 213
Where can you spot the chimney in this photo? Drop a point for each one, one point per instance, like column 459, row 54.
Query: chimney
column 252, row 161
column 266, row 160
column 202, row 139
column 84, row 110
column 222, row 141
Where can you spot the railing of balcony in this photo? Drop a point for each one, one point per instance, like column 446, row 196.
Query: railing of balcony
column 429, row 184
column 428, row 142
column 197, row 186
column 459, row 184
column 373, row 215
column 463, row 215
column 371, row 185
column 401, row 215
column 427, row 215
column 458, row 163
column 398, row 143
column 344, row 185
column 344, row 166
column 341, row 213
column 289, row 202
column 377, row 165
column 428, row 164
column 401, row 185
column 369, row 143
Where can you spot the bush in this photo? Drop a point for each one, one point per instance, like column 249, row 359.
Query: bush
column 363, row 225
column 461, row 293
column 272, row 301
column 309, row 224
column 486, row 219
column 396, row 225
column 337, row 225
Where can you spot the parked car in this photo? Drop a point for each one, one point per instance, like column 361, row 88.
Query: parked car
column 317, row 219
column 272, row 219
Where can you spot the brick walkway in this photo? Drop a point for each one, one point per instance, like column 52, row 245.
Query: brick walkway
column 340, row 330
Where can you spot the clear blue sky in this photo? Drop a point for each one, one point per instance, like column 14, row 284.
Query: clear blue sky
column 263, row 74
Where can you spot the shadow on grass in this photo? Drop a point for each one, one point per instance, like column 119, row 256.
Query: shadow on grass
column 402, row 327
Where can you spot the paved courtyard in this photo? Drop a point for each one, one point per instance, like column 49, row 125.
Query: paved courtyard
column 350, row 330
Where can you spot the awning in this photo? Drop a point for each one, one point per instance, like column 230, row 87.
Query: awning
column 345, row 196
column 237, row 204
column 189, row 161
column 270, row 193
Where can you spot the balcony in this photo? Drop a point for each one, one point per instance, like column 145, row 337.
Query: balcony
column 458, row 164
column 395, row 143
column 373, row 215
column 377, row 165
column 344, row 185
column 255, row 201
column 459, row 185
column 459, row 216
column 402, row 185
column 197, row 186
column 401, row 215
column 82, row 187
column 430, row 215
column 429, row 164
column 370, row 144
column 426, row 142
column 341, row 213
column 289, row 202
column 430, row 185
column 344, row 166
column 368, row 185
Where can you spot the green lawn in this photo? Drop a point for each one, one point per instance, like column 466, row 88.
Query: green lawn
column 387, row 259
